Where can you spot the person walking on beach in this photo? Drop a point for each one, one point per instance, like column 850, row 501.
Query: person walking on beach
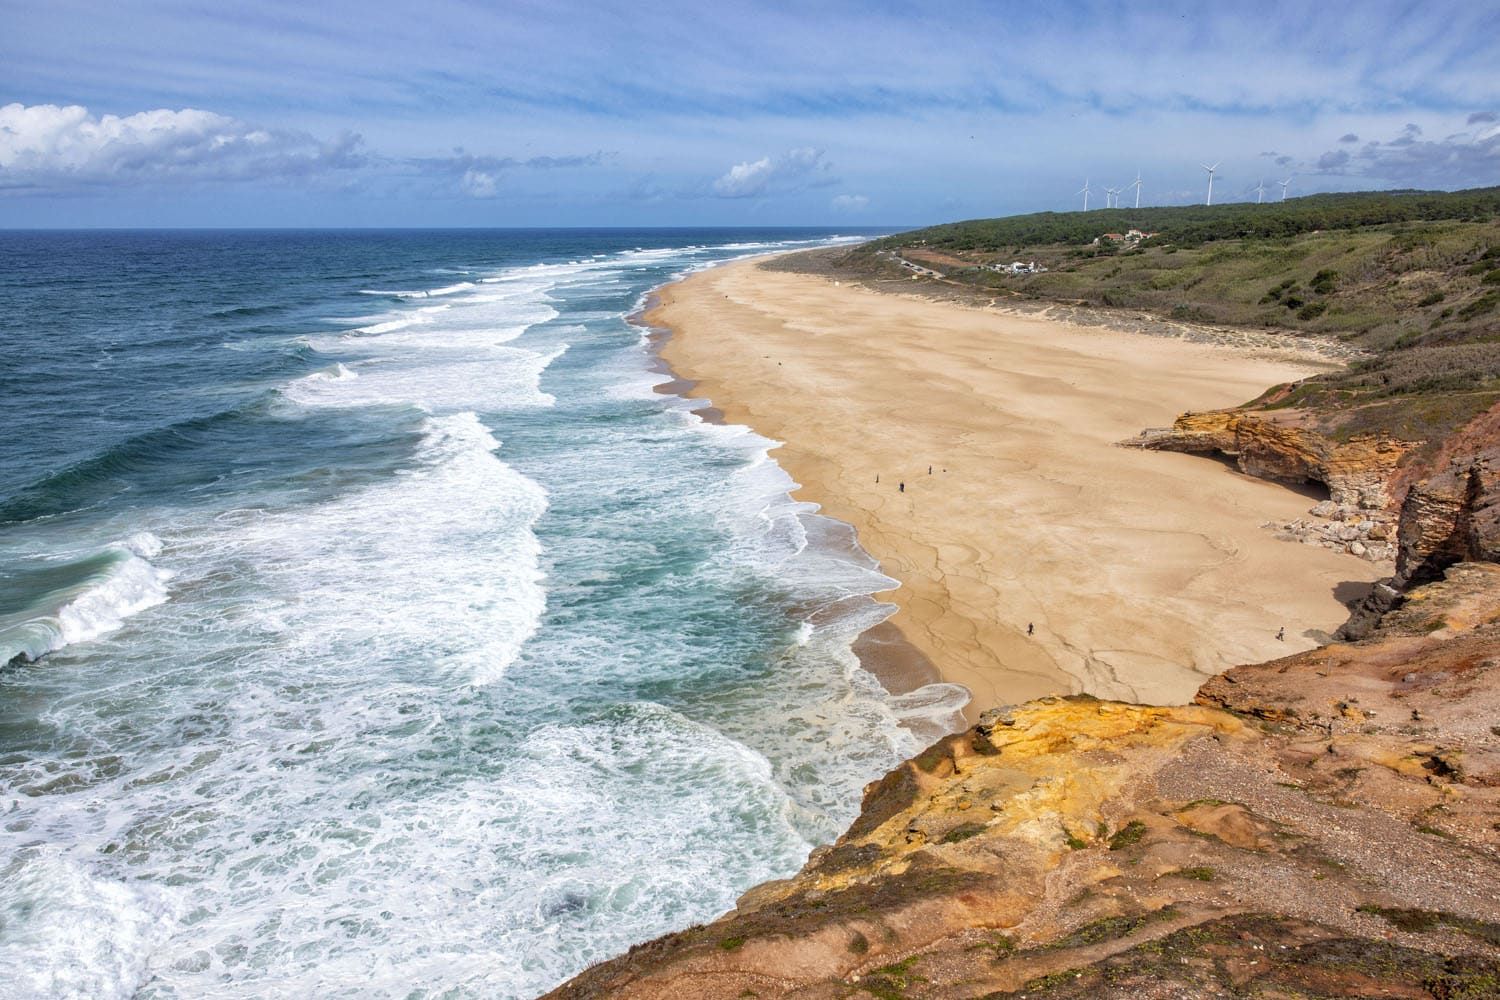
column 903, row 487
column 1281, row 634
column 1030, row 627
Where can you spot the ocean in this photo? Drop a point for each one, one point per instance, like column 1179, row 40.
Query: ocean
column 371, row 627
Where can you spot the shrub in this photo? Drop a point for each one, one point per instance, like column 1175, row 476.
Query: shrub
column 1431, row 299
column 1485, row 303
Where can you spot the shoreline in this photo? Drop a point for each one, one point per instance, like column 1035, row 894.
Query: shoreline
column 963, row 603
column 883, row 649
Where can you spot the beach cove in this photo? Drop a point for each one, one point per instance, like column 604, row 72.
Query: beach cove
column 975, row 453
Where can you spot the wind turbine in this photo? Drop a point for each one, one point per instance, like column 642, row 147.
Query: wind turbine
column 1260, row 192
column 1137, row 186
column 1112, row 197
column 1085, row 193
column 1210, row 170
column 1284, row 185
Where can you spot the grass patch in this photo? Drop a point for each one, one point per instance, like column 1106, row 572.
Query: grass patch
column 1111, row 929
column 963, row 832
column 1200, row 873
column 1426, row 921
column 732, row 942
column 1128, row 835
column 891, row 982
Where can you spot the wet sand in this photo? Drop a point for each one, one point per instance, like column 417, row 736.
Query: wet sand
column 1142, row 572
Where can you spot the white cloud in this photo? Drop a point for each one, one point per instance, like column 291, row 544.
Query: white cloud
column 45, row 146
column 478, row 184
column 849, row 203
column 794, row 170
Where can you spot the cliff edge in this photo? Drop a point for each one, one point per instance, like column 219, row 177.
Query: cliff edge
column 1323, row 825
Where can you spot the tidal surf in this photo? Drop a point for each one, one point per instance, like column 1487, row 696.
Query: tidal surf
column 371, row 627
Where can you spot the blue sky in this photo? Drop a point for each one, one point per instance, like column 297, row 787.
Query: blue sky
column 455, row 112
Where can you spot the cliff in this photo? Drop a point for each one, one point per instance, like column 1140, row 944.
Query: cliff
column 1327, row 824
column 1425, row 507
column 1280, row 445
column 1451, row 516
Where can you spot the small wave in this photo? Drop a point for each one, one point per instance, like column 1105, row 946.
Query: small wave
column 121, row 466
column 428, row 293
column 388, row 326
column 337, row 373
column 237, row 312
column 82, row 600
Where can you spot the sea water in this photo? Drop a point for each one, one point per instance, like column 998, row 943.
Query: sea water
column 371, row 627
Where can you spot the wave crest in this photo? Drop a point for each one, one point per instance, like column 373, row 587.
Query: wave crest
column 83, row 600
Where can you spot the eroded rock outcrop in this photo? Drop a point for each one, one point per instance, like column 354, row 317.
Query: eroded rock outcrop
column 1278, row 445
column 1327, row 824
column 1451, row 517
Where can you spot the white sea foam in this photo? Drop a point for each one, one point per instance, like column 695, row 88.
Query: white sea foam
column 420, row 293
column 71, row 934
column 123, row 584
column 439, row 565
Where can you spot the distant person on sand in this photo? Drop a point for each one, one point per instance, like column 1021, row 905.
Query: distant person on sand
column 1281, row 633
column 1030, row 628
column 902, row 487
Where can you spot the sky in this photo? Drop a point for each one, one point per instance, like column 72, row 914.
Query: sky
column 563, row 113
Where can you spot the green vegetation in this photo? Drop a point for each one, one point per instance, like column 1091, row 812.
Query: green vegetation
column 892, row 981
column 1193, row 225
column 1426, row 921
column 1111, row 928
column 1128, row 835
column 963, row 832
column 1200, row 873
column 732, row 942
column 1002, row 945
column 1412, row 394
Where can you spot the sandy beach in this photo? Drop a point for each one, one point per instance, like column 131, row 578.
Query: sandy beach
column 1142, row 573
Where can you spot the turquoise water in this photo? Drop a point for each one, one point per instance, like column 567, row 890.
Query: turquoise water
column 372, row 628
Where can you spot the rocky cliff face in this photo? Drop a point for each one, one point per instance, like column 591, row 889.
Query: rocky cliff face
column 1425, row 506
column 1323, row 825
column 1450, row 517
column 1275, row 445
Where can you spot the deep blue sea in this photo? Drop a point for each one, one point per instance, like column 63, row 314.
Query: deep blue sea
column 371, row 628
